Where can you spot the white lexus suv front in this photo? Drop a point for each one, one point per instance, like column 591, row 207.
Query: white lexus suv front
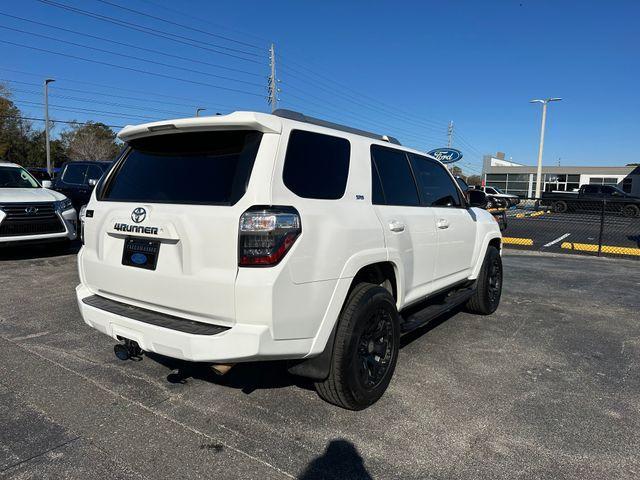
column 31, row 213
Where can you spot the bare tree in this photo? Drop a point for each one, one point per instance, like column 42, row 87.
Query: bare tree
column 90, row 141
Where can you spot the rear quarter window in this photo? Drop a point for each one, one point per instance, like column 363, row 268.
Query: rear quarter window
column 316, row 165
column 210, row 168
column 397, row 186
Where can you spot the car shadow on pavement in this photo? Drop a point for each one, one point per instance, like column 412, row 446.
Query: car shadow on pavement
column 340, row 460
column 251, row 376
column 247, row 377
column 39, row 250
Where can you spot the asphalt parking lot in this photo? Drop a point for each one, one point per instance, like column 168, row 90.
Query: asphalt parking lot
column 574, row 232
column 548, row 387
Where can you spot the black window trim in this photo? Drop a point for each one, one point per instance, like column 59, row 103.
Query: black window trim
column 346, row 184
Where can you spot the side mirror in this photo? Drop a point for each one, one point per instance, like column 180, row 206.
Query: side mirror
column 47, row 184
column 93, row 182
column 477, row 198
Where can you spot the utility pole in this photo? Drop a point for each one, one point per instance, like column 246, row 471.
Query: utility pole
column 450, row 134
column 544, row 103
column 198, row 110
column 273, row 82
column 46, row 122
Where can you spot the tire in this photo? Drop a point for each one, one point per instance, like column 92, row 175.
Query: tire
column 486, row 298
column 356, row 379
column 560, row 207
column 630, row 210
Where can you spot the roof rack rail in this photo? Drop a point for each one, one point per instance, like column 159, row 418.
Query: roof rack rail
column 300, row 117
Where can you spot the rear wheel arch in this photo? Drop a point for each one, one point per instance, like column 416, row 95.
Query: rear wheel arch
column 384, row 274
column 380, row 273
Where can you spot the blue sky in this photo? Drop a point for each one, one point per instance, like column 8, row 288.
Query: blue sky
column 401, row 68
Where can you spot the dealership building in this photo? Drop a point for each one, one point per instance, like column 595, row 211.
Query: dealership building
column 520, row 179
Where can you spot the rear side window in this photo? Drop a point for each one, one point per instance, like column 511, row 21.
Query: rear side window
column 316, row 165
column 396, row 180
column 436, row 185
column 211, row 168
column 74, row 174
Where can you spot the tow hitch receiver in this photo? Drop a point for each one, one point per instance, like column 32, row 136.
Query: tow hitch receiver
column 129, row 350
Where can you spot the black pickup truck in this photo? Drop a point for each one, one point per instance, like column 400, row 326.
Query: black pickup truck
column 593, row 198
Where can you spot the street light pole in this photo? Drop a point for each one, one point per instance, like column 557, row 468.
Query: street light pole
column 544, row 103
column 46, row 122
column 198, row 110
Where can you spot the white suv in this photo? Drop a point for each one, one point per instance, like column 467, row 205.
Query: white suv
column 252, row 236
column 30, row 213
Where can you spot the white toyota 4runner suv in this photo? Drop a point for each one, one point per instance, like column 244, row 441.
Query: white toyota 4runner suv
column 251, row 236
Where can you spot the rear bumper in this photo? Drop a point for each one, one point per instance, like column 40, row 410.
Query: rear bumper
column 240, row 343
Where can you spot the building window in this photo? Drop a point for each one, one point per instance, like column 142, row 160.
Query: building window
column 603, row 181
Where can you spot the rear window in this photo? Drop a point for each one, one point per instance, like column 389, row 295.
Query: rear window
column 316, row 165
column 211, row 168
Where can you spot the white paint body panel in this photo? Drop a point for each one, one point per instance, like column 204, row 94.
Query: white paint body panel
column 284, row 311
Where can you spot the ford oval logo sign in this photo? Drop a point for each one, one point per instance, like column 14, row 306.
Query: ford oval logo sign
column 139, row 258
column 446, row 155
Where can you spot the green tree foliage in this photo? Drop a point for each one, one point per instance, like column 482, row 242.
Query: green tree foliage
column 21, row 143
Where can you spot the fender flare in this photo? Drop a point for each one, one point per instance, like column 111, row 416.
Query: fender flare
column 318, row 364
column 489, row 236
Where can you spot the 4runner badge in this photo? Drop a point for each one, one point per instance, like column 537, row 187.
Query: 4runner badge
column 138, row 215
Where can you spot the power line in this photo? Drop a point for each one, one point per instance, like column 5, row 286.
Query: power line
column 285, row 84
column 343, row 112
column 87, row 110
column 111, row 52
column 109, row 87
column 179, row 24
column 389, row 108
column 132, row 69
column 202, row 21
column 151, row 31
column 129, row 45
column 69, row 122
column 111, row 104
column 101, row 93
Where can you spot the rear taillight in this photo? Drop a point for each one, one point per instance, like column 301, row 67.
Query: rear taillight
column 266, row 235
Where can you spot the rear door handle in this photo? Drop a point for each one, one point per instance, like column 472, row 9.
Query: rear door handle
column 442, row 223
column 396, row 226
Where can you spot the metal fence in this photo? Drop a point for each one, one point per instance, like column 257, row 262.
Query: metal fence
column 606, row 227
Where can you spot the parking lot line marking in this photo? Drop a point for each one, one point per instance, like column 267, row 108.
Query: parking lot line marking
column 149, row 409
column 590, row 247
column 517, row 241
column 553, row 242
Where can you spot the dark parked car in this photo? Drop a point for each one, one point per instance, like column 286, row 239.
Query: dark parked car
column 77, row 180
column 591, row 198
column 41, row 174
